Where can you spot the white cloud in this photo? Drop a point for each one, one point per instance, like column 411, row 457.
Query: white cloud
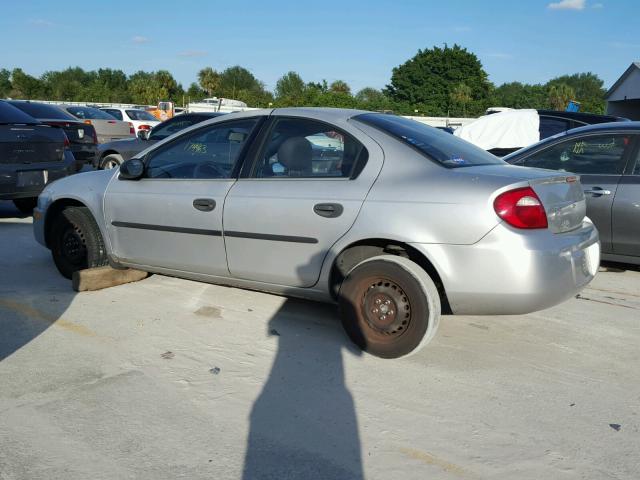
column 192, row 53
column 140, row 39
column 597, row 5
column 39, row 22
column 567, row 5
column 500, row 55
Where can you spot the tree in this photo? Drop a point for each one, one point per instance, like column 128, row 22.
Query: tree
column 194, row 93
column 340, row 86
column 589, row 90
column 5, row 83
column 425, row 82
column 25, row 86
column 290, row 89
column 461, row 95
column 518, row 95
column 209, row 80
column 372, row 99
column 559, row 95
column 237, row 79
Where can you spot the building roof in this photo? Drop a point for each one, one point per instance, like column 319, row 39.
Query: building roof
column 623, row 77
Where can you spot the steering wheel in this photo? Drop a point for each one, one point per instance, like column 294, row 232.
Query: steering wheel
column 205, row 170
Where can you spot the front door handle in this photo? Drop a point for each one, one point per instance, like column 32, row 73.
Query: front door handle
column 328, row 210
column 204, row 204
column 598, row 191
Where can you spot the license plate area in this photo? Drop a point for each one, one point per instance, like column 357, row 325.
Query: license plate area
column 32, row 178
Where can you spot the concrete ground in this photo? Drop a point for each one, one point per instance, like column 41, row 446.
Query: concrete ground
column 167, row 378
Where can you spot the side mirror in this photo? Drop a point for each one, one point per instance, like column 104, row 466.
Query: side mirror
column 143, row 134
column 132, row 169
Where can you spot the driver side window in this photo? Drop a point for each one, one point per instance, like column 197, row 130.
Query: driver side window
column 210, row 152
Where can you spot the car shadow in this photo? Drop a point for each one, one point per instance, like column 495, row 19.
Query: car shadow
column 304, row 424
column 33, row 295
column 616, row 267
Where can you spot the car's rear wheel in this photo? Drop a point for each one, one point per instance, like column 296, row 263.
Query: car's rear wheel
column 110, row 161
column 389, row 306
column 76, row 241
column 26, row 205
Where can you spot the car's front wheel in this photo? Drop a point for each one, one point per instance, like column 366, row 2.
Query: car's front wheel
column 111, row 161
column 389, row 306
column 76, row 241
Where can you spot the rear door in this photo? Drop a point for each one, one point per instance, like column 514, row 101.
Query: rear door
column 626, row 210
column 599, row 159
column 302, row 193
column 172, row 218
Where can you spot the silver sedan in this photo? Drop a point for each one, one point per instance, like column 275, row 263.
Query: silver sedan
column 393, row 220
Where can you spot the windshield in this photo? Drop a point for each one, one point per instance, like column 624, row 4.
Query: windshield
column 89, row 113
column 42, row 110
column 174, row 125
column 439, row 146
column 141, row 115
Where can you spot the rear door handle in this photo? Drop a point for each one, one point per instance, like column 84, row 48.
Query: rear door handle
column 204, row 204
column 598, row 191
column 328, row 210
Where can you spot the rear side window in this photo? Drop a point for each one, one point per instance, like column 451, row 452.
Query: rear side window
column 595, row 155
column 441, row 147
column 302, row 148
column 42, row 110
column 141, row 115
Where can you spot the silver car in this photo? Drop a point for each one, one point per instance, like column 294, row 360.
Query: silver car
column 393, row 220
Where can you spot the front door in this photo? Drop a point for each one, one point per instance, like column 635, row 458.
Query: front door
column 303, row 192
column 172, row 217
column 626, row 213
column 599, row 159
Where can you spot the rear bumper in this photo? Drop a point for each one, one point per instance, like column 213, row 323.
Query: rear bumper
column 84, row 153
column 9, row 188
column 512, row 272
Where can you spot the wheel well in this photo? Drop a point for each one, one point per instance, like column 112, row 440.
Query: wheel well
column 54, row 210
column 359, row 251
column 108, row 152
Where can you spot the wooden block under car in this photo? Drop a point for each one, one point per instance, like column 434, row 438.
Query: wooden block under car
column 104, row 277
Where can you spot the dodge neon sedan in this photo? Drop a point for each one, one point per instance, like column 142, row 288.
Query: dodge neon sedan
column 393, row 220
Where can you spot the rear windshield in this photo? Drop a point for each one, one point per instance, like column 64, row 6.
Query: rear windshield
column 141, row 115
column 9, row 114
column 439, row 146
column 89, row 113
column 42, row 110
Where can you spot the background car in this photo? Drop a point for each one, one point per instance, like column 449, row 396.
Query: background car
column 140, row 119
column 409, row 221
column 606, row 158
column 107, row 128
column 32, row 155
column 112, row 154
column 509, row 130
column 82, row 137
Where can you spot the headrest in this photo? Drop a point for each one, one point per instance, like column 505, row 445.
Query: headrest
column 296, row 154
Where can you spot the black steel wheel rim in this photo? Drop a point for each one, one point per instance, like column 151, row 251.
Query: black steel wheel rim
column 74, row 248
column 386, row 307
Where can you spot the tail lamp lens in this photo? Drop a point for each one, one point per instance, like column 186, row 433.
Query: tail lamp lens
column 521, row 208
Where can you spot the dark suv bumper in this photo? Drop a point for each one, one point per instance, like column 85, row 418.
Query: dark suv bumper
column 15, row 184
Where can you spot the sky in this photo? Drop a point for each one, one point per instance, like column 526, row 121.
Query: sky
column 357, row 41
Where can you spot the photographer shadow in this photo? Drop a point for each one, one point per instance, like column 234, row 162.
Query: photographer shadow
column 304, row 424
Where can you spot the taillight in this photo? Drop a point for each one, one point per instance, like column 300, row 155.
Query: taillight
column 144, row 127
column 521, row 208
column 67, row 143
column 88, row 122
column 95, row 136
column 132, row 130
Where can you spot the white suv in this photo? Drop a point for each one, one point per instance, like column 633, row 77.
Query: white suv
column 140, row 119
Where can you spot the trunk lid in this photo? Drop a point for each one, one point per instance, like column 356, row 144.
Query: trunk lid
column 77, row 132
column 109, row 130
column 560, row 193
column 26, row 144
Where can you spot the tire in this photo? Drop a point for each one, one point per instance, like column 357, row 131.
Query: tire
column 113, row 160
column 76, row 241
column 389, row 306
column 26, row 205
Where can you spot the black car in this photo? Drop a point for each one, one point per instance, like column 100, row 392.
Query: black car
column 31, row 155
column 606, row 156
column 112, row 154
column 82, row 136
